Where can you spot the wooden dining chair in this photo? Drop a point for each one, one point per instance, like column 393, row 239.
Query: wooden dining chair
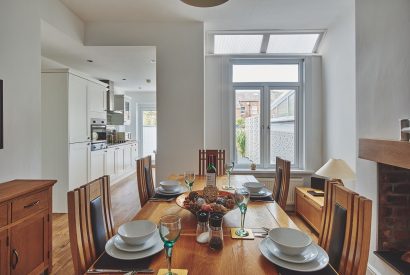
column 282, row 180
column 326, row 213
column 204, row 161
column 145, row 181
column 90, row 222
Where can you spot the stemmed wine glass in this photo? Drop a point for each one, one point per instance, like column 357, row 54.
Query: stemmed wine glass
column 241, row 198
column 189, row 179
column 169, row 230
column 228, row 169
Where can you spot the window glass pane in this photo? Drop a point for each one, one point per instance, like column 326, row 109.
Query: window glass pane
column 149, row 133
column 292, row 43
column 265, row 73
column 247, row 130
column 237, row 44
column 282, row 125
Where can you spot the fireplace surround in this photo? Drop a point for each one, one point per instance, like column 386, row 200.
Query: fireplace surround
column 393, row 176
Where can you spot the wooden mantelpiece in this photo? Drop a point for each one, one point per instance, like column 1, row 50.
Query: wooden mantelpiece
column 391, row 152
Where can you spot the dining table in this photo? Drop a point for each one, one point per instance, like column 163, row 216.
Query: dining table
column 238, row 256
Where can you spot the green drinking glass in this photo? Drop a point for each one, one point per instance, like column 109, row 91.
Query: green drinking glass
column 169, row 230
column 242, row 198
column 189, row 179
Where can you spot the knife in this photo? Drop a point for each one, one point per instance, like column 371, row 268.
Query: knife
column 99, row 270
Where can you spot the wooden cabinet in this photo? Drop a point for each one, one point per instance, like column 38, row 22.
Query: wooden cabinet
column 25, row 239
column 78, row 124
column 79, row 164
column 97, row 164
column 309, row 207
column 96, row 101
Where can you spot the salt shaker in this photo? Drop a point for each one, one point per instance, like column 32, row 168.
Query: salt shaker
column 216, row 236
column 202, row 228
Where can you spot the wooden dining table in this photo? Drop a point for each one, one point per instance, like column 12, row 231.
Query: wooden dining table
column 237, row 256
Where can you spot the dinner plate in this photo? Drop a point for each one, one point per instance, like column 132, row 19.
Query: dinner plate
column 320, row 262
column 123, row 255
column 265, row 192
column 121, row 245
column 181, row 189
column 308, row 255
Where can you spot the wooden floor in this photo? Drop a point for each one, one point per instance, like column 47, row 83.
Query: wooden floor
column 125, row 205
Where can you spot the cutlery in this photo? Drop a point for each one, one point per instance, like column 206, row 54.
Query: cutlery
column 260, row 235
column 97, row 270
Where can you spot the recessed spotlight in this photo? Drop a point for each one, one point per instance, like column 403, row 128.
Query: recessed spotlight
column 90, row 60
column 140, row 87
column 124, row 79
column 148, row 80
column 153, row 61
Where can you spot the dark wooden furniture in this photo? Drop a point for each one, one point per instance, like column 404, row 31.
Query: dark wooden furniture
column 26, row 226
column 204, row 161
column 90, row 222
column 309, row 207
column 144, row 179
column 237, row 257
column 282, row 179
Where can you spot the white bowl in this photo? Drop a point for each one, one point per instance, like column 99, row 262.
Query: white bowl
column 290, row 241
column 169, row 185
column 137, row 232
column 254, row 187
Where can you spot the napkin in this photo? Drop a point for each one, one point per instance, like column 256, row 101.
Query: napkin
column 108, row 262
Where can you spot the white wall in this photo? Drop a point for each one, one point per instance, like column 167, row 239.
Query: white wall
column 180, row 82
column 382, row 85
column 339, row 89
column 20, row 70
column 218, row 106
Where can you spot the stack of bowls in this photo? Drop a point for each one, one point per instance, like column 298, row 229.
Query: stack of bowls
column 137, row 232
column 290, row 241
column 170, row 186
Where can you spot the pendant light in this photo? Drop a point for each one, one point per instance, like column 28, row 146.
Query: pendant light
column 204, row 3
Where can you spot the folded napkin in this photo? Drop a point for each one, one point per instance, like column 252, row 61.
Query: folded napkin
column 328, row 270
column 108, row 262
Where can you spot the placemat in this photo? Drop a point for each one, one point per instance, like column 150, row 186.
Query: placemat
column 328, row 270
column 269, row 198
column 161, row 196
column 108, row 262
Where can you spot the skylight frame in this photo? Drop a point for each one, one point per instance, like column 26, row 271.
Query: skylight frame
column 265, row 41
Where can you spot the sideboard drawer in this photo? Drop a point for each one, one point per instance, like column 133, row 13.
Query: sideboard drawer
column 28, row 205
column 3, row 215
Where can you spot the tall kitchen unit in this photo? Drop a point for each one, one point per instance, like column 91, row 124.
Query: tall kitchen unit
column 69, row 100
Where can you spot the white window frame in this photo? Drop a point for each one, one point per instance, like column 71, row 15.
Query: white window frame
column 265, row 88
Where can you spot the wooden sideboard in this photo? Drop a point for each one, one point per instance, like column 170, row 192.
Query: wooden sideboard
column 309, row 207
column 25, row 226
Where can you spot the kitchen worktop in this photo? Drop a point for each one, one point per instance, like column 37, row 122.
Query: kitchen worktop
column 128, row 142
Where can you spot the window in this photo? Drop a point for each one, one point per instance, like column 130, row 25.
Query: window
column 265, row 42
column 268, row 109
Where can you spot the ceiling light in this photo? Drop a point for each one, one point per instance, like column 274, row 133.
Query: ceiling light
column 204, row 3
column 124, row 79
column 148, row 80
column 90, row 61
column 153, row 61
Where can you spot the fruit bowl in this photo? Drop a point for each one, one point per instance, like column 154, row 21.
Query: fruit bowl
column 196, row 200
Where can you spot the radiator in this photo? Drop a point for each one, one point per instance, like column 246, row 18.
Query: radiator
column 292, row 184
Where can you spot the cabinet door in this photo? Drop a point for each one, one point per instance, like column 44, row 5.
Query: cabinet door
column 79, row 164
column 78, row 124
column 4, row 253
column 96, row 100
column 97, row 164
column 110, row 162
column 29, row 245
column 119, row 160
column 134, row 155
column 127, row 157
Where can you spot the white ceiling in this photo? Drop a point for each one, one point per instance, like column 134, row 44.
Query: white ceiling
column 234, row 14
column 135, row 64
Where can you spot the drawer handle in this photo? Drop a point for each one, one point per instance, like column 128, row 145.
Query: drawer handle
column 32, row 204
column 16, row 257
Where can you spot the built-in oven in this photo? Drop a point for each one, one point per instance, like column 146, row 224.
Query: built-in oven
column 98, row 134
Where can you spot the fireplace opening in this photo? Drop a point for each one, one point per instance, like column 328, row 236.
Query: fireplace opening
column 393, row 238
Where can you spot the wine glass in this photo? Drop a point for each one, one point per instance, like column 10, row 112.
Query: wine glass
column 169, row 230
column 228, row 170
column 241, row 198
column 189, row 179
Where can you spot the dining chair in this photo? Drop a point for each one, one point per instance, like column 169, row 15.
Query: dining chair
column 145, row 181
column 204, row 161
column 282, row 179
column 324, row 227
column 90, row 222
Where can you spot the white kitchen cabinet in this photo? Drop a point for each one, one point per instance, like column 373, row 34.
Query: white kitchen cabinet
column 78, row 124
column 110, row 162
column 96, row 100
column 127, row 157
column 97, row 164
column 79, row 155
column 134, row 154
column 119, row 160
